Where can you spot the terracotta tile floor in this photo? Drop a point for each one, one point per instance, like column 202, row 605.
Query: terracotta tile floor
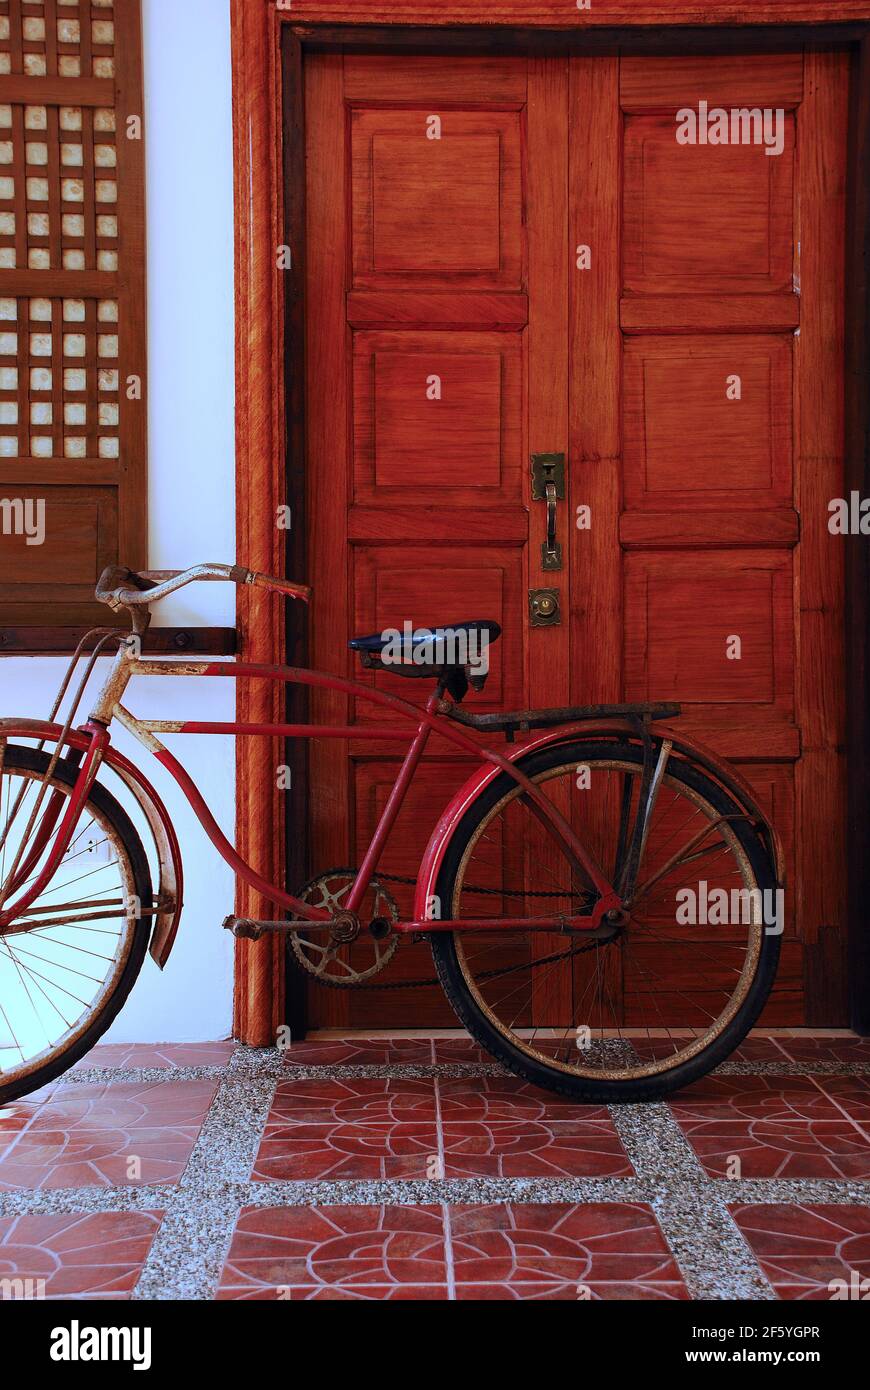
column 79, row 1256
column 482, row 1252
column 431, row 1128
column 412, row 1168
column 116, row 1134
column 778, row 1126
column 809, row 1251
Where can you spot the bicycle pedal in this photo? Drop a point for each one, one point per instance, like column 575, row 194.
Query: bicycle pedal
column 249, row 929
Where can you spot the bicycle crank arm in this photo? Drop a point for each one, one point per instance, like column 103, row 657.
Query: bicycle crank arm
column 249, row 929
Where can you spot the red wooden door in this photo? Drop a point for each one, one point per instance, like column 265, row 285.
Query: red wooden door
column 508, row 257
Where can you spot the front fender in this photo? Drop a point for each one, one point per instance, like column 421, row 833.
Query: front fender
column 732, row 781
column 170, row 887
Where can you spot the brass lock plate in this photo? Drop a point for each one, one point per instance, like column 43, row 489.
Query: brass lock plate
column 548, row 468
column 544, row 607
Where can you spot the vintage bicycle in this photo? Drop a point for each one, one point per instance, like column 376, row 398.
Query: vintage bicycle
column 547, row 889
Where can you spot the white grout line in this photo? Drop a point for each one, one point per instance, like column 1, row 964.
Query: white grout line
column 448, row 1253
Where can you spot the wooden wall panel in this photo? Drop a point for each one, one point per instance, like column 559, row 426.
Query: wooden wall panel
column 596, row 370
column 72, row 292
column 681, row 611
column 394, row 584
column 419, row 356
column 656, row 314
column 820, row 781
column 428, row 210
column 650, row 83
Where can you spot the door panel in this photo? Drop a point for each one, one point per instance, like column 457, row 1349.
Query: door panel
column 699, row 448
column 419, row 237
column 433, row 585
column 425, row 208
column 508, row 257
column 703, row 217
column 406, row 452
column 714, row 464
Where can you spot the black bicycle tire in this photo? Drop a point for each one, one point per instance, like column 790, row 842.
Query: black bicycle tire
column 33, row 760
column 497, row 1044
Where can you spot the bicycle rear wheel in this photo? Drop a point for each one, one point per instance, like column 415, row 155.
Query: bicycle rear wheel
column 69, row 961
column 651, row 1004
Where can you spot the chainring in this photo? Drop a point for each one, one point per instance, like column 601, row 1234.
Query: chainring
column 328, row 955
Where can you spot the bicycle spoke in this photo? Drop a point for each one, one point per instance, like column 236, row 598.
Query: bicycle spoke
column 628, row 988
column 60, row 958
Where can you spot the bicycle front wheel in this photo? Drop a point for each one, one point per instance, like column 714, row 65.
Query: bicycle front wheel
column 639, row 1009
column 68, row 962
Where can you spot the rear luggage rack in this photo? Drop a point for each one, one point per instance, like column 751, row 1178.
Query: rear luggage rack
column 521, row 721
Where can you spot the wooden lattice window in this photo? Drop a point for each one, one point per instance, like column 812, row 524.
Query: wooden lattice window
column 72, row 306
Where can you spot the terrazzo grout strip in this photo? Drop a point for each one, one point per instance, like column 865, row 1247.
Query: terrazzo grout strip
column 714, row 1258
column 189, row 1250
column 283, row 1071
column 334, row 1192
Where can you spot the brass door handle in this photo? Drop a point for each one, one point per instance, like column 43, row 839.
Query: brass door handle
column 548, row 485
column 551, row 550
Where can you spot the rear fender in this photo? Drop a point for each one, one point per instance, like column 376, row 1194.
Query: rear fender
column 736, row 786
column 170, row 887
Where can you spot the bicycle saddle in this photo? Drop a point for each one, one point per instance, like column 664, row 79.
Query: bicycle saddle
column 458, row 653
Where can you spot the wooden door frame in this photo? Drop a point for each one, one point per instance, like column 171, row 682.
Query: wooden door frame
column 268, row 43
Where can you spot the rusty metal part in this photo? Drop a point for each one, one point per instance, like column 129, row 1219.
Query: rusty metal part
column 121, row 588
column 344, row 927
column 320, row 957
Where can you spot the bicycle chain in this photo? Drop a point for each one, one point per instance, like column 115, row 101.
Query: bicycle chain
column 487, row 974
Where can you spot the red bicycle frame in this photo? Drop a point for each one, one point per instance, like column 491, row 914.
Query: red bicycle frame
column 95, row 739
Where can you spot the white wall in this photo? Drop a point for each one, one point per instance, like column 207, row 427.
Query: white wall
column 191, row 487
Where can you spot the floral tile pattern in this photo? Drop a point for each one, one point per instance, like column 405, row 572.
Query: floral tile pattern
column 359, row 1052
column 570, row 1149
column 851, row 1094
column 756, row 1098
column 427, row 1252
column 370, row 1252
column 360, row 1128
column 826, row 1048
column 561, row 1251
column 18, row 1114
column 128, row 1055
column 778, row 1127
column 810, row 1252
column 119, row 1134
column 460, row 1050
column 495, row 1098
column 428, row 1128
column 767, row 1149
column 80, row 1256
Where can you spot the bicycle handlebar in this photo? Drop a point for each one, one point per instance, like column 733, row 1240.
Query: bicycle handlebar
column 123, row 588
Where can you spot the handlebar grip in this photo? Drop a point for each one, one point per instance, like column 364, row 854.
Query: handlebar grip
column 279, row 586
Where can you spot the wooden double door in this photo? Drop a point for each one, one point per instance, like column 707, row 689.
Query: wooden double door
column 508, row 257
